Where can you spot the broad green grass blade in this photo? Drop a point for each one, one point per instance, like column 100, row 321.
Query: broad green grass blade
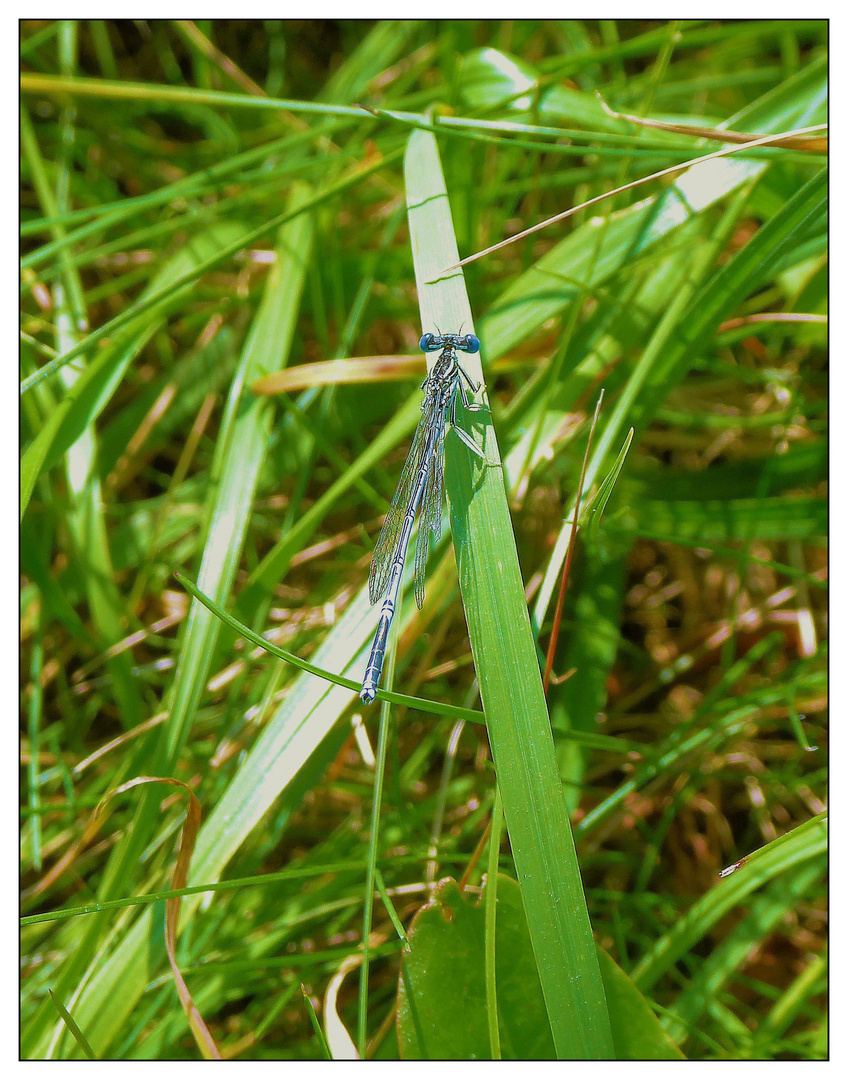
column 443, row 1013
column 240, row 452
column 505, row 657
column 90, row 393
column 311, row 708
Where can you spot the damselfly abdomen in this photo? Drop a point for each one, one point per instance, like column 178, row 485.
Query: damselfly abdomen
column 420, row 487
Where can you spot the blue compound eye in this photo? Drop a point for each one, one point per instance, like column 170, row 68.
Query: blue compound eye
column 470, row 343
column 426, row 344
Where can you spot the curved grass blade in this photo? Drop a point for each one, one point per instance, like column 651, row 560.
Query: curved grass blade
column 409, row 702
column 239, row 455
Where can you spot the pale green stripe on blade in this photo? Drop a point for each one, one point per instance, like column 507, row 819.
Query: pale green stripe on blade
column 504, row 653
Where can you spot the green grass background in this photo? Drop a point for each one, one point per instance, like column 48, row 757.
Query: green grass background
column 207, row 204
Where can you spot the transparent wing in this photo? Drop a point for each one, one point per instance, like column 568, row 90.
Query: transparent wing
column 430, row 520
column 387, row 544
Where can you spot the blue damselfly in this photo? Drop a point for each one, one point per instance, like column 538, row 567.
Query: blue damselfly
column 420, row 486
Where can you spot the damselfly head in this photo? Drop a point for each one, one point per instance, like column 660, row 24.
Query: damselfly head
column 434, row 342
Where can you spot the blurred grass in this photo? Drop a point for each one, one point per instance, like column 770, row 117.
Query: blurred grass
column 208, row 205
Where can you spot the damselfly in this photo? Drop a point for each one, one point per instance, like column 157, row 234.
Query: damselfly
column 420, row 486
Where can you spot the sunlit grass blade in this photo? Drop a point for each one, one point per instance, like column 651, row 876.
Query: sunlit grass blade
column 505, row 657
column 241, row 448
